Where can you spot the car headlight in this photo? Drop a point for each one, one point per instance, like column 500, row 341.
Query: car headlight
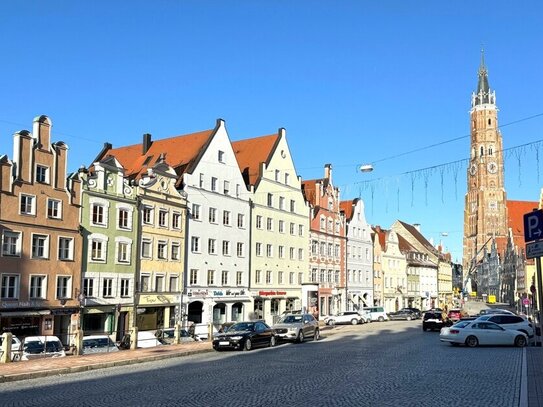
column 293, row 329
column 236, row 338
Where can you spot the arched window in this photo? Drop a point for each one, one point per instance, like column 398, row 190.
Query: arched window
column 490, row 150
column 482, row 151
column 489, row 121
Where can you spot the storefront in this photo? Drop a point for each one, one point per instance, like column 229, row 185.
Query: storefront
column 218, row 306
column 156, row 311
column 270, row 304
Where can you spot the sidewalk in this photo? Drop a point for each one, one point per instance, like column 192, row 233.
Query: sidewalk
column 534, row 360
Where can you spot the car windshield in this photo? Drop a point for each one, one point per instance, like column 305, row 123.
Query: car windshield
column 462, row 324
column 97, row 343
column 38, row 347
column 291, row 319
column 242, row 326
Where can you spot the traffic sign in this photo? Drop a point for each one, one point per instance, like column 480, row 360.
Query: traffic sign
column 533, row 226
column 526, row 301
column 534, row 249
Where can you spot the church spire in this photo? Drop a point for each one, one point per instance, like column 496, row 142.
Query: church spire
column 483, row 94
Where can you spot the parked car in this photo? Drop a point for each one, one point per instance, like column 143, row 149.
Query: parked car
column 454, row 315
column 417, row 312
column 297, row 327
column 98, row 344
column 434, row 321
column 474, row 333
column 246, row 336
column 167, row 336
column 488, row 311
column 146, row 339
column 513, row 322
column 38, row 347
column 402, row 314
column 346, row 317
column 376, row 313
column 15, row 347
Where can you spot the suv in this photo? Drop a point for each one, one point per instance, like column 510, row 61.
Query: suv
column 376, row 313
column 297, row 327
column 512, row 322
column 38, row 347
column 347, row 317
column 434, row 320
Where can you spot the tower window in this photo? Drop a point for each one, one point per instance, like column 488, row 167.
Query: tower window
column 489, row 122
column 482, row 151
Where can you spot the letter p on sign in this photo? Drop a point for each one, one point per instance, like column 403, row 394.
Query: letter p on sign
column 533, row 226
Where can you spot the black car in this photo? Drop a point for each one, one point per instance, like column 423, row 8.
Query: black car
column 434, row 320
column 246, row 336
column 404, row 314
column 417, row 312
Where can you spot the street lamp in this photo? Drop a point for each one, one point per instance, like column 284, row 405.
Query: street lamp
column 366, row 168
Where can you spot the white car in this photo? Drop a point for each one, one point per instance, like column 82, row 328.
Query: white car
column 347, row 317
column 15, row 347
column 510, row 322
column 98, row 344
column 38, row 347
column 474, row 333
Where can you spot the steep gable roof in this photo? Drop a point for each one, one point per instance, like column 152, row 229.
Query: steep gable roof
column 418, row 236
column 250, row 153
column 347, row 207
column 309, row 189
column 381, row 235
column 404, row 245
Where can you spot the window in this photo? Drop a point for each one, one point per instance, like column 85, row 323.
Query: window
column 195, row 244
column 258, row 222
column 300, row 254
column 40, row 246
column 226, row 248
column 147, row 215
column 269, row 279
column 287, row 178
column 65, row 248
column 282, row 203
column 300, row 230
column 220, row 156
column 300, row 278
column 163, row 218
column 226, row 218
column 42, row 174
column 145, row 282
column 54, row 208
column 258, row 276
column 213, row 183
column 281, row 226
column 314, row 247
column 63, row 287
column 173, row 283
column 336, row 250
column 123, row 216
column 241, row 220
column 291, row 278
column 224, row 277
column 176, row 251
column 277, row 174
column 313, row 275
column 98, row 217
column 323, row 223
column 195, row 211
column 212, row 246
column 210, row 277
column 159, row 283
column 107, row 288
column 292, row 229
column 146, row 248
column 162, row 251
column 125, row 287
column 259, row 249
column 330, row 250
column 11, row 244
column 88, row 287
column 269, row 250
column 269, row 224
column 292, row 205
column 226, row 188
column 212, row 215
column 28, row 204
column 193, row 277
column 281, row 252
column 280, row 278
column 98, row 252
column 240, row 249
column 176, row 220
column 239, row 278
column 201, row 182
column 238, row 190
column 10, row 286
column 291, row 253
column 270, row 200
column 37, row 286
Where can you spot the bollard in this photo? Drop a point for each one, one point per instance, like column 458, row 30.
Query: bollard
column 177, row 334
column 78, row 342
column 6, row 347
column 134, row 338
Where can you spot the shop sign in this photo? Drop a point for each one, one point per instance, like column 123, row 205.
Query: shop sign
column 271, row 292
column 197, row 293
column 21, row 304
column 157, row 299
column 64, row 311
column 227, row 293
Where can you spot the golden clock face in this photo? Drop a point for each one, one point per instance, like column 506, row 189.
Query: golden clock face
column 492, row 167
column 473, row 169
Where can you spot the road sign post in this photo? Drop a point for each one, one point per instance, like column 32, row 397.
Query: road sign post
column 533, row 232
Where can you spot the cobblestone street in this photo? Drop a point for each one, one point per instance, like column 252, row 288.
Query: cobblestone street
column 385, row 364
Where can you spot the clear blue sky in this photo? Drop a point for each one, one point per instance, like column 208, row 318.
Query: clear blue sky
column 351, row 81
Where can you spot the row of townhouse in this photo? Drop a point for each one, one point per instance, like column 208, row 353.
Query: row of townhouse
column 193, row 227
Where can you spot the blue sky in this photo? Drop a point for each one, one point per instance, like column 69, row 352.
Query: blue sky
column 351, row 81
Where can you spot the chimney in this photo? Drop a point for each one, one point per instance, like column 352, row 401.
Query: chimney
column 328, row 172
column 146, row 143
column 417, row 226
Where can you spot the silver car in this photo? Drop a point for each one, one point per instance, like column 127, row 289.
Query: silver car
column 297, row 328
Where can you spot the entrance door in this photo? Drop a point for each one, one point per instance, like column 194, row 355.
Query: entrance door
column 195, row 312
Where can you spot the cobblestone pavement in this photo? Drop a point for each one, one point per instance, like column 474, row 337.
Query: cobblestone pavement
column 388, row 364
column 535, row 376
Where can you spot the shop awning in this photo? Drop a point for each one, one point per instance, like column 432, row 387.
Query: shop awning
column 26, row 313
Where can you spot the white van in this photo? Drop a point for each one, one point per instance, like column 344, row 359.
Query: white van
column 38, row 347
column 376, row 313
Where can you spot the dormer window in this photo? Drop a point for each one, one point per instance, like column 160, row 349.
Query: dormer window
column 42, row 174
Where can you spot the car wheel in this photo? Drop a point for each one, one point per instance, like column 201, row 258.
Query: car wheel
column 408, row 318
column 354, row 321
column 472, row 341
column 300, row 338
column 330, row 322
column 317, row 335
column 272, row 341
column 424, row 328
column 381, row 319
column 520, row 341
column 248, row 344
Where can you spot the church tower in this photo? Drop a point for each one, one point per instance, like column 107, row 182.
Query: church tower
column 485, row 210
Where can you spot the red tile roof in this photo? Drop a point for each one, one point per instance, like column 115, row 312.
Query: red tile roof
column 309, row 188
column 417, row 235
column 347, row 207
column 404, row 245
column 179, row 152
column 381, row 235
column 250, row 153
column 515, row 221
